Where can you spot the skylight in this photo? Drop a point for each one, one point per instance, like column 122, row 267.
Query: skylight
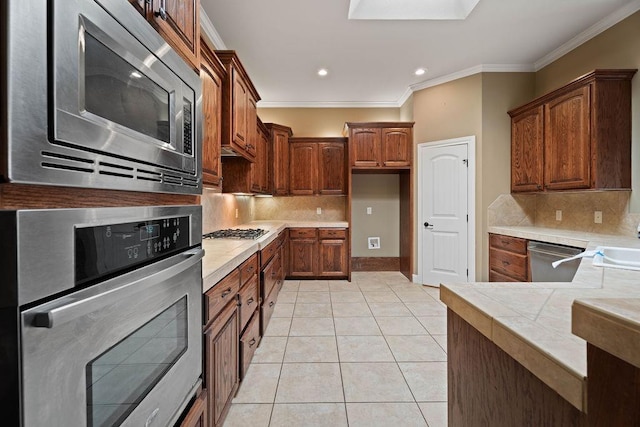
column 411, row 9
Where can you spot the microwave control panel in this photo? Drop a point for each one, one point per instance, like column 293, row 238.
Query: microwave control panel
column 103, row 250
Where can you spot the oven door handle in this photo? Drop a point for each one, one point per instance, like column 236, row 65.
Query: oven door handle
column 109, row 292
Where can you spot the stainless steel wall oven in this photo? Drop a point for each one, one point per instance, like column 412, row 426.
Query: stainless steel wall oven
column 100, row 315
column 96, row 98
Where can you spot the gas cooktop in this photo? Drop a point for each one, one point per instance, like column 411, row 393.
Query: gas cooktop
column 236, row 233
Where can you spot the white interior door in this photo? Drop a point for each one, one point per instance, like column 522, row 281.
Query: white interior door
column 444, row 214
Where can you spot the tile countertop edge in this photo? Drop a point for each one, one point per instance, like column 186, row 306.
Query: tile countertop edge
column 611, row 324
column 565, row 380
column 245, row 249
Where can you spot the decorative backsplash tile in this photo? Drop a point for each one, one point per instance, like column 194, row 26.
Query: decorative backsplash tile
column 577, row 211
column 301, row 208
column 219, row 210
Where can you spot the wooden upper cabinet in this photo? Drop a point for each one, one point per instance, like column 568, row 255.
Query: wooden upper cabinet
column 331, row 168
column 380, row 145
column 396, row 147
column 278, row 163
column 211, row 73
column 576, row 137
column 527, row 145
column 239, row 108
column 365, row 147
column 259, row 168
column 303, row 164
column 567, row 140
column 178, row 22
column 317, row 166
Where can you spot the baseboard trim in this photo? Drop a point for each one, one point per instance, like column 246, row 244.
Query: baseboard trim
column 375, row 264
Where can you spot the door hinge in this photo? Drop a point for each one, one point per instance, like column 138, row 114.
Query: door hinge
column 466, row 162
column 467, row 273
column 467, row 217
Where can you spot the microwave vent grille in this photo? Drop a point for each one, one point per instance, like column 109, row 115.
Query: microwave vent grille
column 66, row 162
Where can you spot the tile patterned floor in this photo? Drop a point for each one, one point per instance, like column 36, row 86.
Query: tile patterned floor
column 366, row 353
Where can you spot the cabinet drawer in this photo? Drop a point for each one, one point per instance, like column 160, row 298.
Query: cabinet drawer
column 268, row 252
column 248, row 269
column 507, row 243
column 249, row 341
column 266, row 310
column 302, row 233
column 508, row 263
column 332, row 233
column 248, row 301
column 494, row 276
column 216, row 298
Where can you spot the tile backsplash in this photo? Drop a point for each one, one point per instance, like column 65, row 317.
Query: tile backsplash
column 219, row 210
column 577, row 211
column 301, row 208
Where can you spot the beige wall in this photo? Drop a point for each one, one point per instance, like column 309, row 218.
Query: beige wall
column 446, row 111
column 219, row 210
column 406, row 110
column 500, row 93
column 618, row 47
column 324, row 122
column 301, row 208
column 382, row 194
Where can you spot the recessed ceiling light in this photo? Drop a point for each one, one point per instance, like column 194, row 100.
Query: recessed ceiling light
column 420, row 71
column 322, row 72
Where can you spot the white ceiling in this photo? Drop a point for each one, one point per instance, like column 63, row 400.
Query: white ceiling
column 282, row 44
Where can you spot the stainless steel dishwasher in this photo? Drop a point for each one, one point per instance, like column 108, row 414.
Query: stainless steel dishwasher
column 541, row 255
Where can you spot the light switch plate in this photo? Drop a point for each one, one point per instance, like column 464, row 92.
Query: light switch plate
column 319, row 211
column 558, row 215
column 369, row 210
column 597, row 217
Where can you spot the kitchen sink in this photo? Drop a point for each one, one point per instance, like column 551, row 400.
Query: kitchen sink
column 614, row 257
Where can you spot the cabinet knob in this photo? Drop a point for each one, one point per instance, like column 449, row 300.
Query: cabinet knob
column 162, row 13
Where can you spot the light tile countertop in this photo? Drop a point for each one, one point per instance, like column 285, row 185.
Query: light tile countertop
column 532, row 322
column 222, row 256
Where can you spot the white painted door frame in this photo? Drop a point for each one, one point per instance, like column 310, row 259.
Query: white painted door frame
column 470, row 141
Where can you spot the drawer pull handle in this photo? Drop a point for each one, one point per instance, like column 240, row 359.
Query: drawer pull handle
column 271, row 304
column 505, row 263
column 505, row 242
column 250, row 269
column 225, row 293
column 250, row 301
column 252, row 342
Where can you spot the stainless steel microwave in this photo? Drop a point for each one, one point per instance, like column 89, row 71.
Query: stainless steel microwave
column 96, row 98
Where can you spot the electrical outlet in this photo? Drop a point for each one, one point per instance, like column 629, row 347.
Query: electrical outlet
column 558, row 215
column 369, row 210
column 597, row 217
column 319, row 211
column 236, row 212
column 374, row 243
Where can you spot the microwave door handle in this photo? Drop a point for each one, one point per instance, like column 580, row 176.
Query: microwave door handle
column 68, row 311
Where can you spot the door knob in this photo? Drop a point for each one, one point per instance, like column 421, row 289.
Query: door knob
column 427, row 225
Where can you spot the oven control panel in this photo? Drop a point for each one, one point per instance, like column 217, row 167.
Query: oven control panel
column 106, row 249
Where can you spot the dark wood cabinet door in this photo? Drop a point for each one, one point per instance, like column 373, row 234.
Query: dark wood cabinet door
column 331, row 168
column 239, row 114
column 252, row 126
column 263, row 159
column 178, row 22
column 303, row 164
column 198, row 413
column 280, row 163
column 211, row 118
column 333, row 258
column 527, row 155
column 365, row 147
column 397, row 145
column 222, row 363
column 302, row 257
column 567, row 140
column 258, row 168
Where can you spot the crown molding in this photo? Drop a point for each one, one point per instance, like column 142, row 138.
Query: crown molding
column 212, row 34
column 333, row 104
column 588, row 34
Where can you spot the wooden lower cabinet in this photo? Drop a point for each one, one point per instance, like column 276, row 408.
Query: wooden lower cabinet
column 249, row 341
column 221, row 363
column 508, row 259
column 320, row 252
column 197, row 414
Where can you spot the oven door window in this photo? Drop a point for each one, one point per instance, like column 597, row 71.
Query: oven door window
column 120, row 378
column 119, row 92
